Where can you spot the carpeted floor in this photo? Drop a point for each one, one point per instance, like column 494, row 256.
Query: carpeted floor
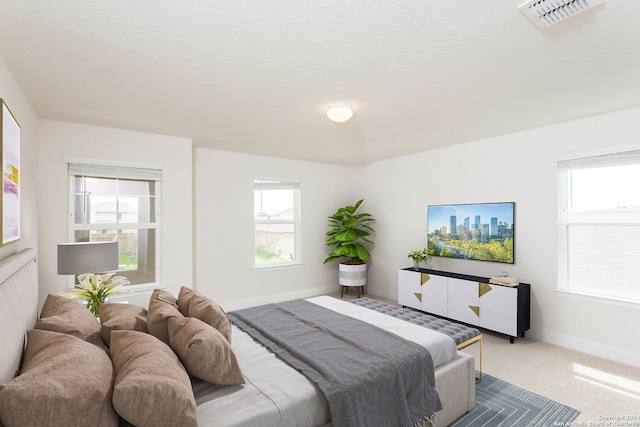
column 499, row 403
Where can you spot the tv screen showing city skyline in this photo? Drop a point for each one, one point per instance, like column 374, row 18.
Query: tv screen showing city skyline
column 478, row 231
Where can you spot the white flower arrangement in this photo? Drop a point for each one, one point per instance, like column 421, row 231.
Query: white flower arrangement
column 95, row 288
column 418, row 256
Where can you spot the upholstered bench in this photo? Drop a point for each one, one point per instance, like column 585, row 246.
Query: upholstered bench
column 463, row 335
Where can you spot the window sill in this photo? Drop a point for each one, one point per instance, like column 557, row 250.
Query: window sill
column 619, row 301
column 269, row 267
column 143, row 287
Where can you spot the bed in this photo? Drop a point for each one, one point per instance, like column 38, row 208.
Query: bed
column 272, row 393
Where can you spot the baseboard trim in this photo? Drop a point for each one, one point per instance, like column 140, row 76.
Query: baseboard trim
column 593, row 348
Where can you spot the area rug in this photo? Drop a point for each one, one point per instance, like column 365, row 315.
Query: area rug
column 499, row 403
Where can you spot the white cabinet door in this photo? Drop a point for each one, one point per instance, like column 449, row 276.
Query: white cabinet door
column 409, row 289
column 499, row 309
column 463, row 301
column 434, row 294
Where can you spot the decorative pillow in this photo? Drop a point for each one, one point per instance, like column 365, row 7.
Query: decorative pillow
column 61, row 314
column 164, row 296
column 151, row 386
column 114, row 316
column 64, row 381
column 210, row 313
column 184, row 299
column 162, row 306
column 204, row 351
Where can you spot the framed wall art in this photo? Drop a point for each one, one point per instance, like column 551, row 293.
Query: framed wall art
column 10, row 156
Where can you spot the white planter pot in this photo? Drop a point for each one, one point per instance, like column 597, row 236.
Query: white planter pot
column 352, row 275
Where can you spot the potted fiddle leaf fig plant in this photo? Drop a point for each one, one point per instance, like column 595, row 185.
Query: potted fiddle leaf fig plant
column 349, row 232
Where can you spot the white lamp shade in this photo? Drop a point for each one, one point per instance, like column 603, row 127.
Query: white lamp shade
column 340, row 112
column 89, row 257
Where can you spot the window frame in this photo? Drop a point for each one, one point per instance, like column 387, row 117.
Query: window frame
column 281, row 183
column 616, row 217
column 130, row 171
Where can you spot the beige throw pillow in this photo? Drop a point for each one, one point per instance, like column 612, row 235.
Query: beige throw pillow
column 115, row 316
column 162, row 306
column 204, row 351
column 151, row 386
column 64, row 381
column 61, row 314
column 184, row 299
column 165, row 296
column 209, row 312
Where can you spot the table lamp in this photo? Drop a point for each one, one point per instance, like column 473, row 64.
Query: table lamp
column 87, row 257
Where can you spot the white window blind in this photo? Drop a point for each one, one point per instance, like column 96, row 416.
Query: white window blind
column 113, row 171
column 600, row 226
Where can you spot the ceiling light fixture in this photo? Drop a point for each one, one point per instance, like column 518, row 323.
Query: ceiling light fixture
column 340, row 112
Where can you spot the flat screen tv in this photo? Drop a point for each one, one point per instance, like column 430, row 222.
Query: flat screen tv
column 478, row 231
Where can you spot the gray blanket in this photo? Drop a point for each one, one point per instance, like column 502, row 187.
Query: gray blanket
column 370, row 377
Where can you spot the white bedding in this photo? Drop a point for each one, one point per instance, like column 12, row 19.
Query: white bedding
column 276, row 394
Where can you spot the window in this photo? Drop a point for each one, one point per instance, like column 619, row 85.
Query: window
column 110, row 203
column 600, row 226
column 276, row 216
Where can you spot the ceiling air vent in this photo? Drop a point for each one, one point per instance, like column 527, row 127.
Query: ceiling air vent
column 548, row 12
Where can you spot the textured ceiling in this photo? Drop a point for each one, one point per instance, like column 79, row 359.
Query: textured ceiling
column 257, row 77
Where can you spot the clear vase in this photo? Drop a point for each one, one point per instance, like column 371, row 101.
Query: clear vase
column 94, row 305
column 416, row 264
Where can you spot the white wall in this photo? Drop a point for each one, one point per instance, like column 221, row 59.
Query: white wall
column 59, row 140
column 26, row 117
column 224, row 227
column 519, row 167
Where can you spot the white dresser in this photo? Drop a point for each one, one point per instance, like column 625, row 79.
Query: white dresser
column 467, row 299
